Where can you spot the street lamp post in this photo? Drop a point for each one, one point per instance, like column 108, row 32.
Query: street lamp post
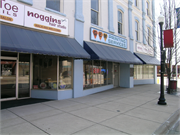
column 161, row 98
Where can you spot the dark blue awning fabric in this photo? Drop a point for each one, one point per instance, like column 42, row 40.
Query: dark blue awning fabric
column 23, row 40
column 107, row 53
column 146, row 59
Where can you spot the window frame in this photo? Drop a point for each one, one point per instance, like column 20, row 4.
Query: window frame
column 120, row 22
column 147, row 8
column 141, row 74
column 136, row 3
column 98, row 14
column 61, row 8
column 137, row 31
column 148, row 36
column 91, row 82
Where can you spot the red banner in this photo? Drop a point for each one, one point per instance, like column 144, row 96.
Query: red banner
column 168, row 38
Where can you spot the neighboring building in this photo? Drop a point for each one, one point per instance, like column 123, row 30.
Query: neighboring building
column 68, row 49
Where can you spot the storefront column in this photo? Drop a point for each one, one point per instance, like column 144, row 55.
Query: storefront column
column 125, row 79
column 78, row 64
column 155, row 74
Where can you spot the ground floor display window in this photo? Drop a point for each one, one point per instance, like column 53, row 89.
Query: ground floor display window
column 65, row 74
column 143, row 72
column 46, row 69
column 96, row 73
column 24, row 78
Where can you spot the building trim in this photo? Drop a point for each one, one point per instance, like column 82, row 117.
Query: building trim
column 110, row 16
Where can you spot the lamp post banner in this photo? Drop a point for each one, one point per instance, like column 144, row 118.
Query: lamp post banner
column 178, row 17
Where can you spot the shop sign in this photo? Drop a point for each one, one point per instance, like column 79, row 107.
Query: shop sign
column 15, row 13
column 11, row 12
column 44, row 21
column 107, row 38
column 144, row 49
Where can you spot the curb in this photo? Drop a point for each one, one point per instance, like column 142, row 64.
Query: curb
column 167, row 126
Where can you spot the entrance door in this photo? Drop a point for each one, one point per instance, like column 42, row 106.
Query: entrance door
column 15, row 82
column 116, row 75
column 23, row 78
column 8, row 79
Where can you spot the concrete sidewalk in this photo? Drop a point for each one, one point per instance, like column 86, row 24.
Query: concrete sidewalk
column 120, row 111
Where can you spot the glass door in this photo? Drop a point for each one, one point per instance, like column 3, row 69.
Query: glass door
column 8, row 79
column 23, row 78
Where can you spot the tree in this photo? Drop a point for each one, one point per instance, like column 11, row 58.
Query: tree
column 168, row 9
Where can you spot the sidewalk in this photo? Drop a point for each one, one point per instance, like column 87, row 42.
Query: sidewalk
column 120, row 111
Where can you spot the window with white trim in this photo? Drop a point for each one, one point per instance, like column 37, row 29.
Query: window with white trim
column 53, row 4
column 95, row 12
column 136, row 3
column 137, row 30
column 147, row 8
column 120, row 22
column 149, row 36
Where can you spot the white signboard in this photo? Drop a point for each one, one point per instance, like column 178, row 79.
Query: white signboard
column 103, row 37
column 144, row 49
column 11, row 12
column 44, row 21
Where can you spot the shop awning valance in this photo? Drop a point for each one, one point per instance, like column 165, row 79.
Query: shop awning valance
column 107, row 53
column 23, row 40
column 146, row 59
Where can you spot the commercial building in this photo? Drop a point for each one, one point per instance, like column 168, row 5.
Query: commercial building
column 68, row 49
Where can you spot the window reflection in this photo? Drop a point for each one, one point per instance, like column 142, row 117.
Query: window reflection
column 143, row 71
column 65, row 73
column 44, row 72
column 96, row 73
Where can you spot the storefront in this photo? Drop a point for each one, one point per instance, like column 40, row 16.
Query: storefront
column 146, row 73
column 37, row 55
column 110, row 63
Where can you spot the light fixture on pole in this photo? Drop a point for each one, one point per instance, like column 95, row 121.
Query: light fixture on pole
column 161, row 98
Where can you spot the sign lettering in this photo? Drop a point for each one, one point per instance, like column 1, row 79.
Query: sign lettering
column 103, row 37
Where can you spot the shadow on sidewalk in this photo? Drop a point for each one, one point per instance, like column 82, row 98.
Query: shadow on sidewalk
column 16, row 103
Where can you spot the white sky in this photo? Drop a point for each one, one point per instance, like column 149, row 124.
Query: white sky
column 157, row 6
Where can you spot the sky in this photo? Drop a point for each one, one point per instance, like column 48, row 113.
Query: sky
column 157, row 6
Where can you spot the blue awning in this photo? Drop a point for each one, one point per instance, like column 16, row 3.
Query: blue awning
column 107, row 53
column 146, row 59
column 23, row 40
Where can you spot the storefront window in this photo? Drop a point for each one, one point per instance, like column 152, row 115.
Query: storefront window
column 103, row 73
column 44, row 72
column 139, row 72
column 96, row 73
column 87, row 74
column 151, row 71
column 109, row 73
column 143, row 72
column 65, row 73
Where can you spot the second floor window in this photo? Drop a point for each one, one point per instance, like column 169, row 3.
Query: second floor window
column 147, row 8
column 148, row 38
column 136, row 3
column 137, row 30
column 94, row 11
column 53, row 4
column 120, row 22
